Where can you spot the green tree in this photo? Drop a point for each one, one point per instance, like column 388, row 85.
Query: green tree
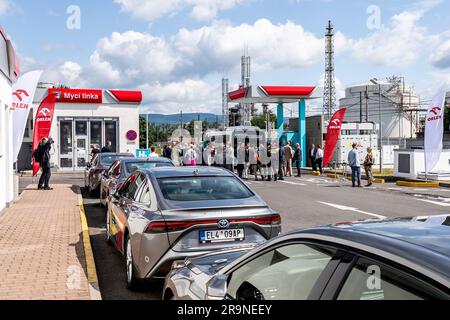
column 157, row 132
column 260, row 120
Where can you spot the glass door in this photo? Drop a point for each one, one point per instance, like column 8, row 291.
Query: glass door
column 111, row 133
column 81, row 143
column 65, row 146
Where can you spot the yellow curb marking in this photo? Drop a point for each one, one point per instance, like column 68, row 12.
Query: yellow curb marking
column 90, row 262
column 418, row 184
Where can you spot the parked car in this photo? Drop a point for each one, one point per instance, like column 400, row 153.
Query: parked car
column 162, row 215
column 397, row 259
column 95, row 169
column 122, row 168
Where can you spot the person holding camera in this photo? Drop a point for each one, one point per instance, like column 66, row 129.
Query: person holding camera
column 43, row 152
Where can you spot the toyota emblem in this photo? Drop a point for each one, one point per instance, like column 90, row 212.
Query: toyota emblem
column 223, row 224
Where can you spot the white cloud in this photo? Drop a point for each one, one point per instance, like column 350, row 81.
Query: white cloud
column 154, row 9
column 440, row 57
column 4, row 5
column 188, row 95
column 398, row 44
column 133, row 58
column 208, row 9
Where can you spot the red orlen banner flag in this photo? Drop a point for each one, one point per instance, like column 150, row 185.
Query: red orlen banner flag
column 333, row 133
column 43, row 124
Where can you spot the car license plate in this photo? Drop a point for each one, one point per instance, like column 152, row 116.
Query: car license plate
column 207, row 236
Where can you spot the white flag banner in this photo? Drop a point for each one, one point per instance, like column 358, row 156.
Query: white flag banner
column 22, row 99
column 434, row 131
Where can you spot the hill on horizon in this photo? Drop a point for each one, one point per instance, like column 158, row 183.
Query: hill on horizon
column 175, row 118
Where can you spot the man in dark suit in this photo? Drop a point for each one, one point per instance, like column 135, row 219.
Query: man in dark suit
column 44, row 150
column 298, row 159
column 107, row 148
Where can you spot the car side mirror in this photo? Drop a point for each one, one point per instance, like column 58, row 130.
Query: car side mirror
column 216, row 288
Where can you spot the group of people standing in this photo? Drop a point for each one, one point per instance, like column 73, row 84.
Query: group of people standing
column 287, row 157
column 249, row 159
column 315, row 154
column 355, row 165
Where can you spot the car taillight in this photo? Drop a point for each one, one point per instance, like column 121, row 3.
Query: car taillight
column 173, row 226
column 265, row 220
column 156, row 227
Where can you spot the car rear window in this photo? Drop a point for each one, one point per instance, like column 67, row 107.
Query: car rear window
column 107, row 161
column 132, row 167
column 203, row 188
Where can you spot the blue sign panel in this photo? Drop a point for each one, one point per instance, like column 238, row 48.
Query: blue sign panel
column 143, row 153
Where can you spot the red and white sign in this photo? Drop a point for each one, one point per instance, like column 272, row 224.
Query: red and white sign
column 333, row 133
column 434, row 131
column 131, row 135
column 78, row 95
column 43, row 124
column 22, row 98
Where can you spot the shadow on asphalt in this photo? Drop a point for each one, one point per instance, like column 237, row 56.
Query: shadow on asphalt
column 110, row 263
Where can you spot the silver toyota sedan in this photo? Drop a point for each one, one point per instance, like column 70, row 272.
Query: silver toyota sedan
column 162, row 215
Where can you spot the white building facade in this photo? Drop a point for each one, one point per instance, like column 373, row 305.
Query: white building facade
column 85, row 117
column 9, row 72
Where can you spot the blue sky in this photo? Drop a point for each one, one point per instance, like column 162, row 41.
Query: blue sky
column 177, row 51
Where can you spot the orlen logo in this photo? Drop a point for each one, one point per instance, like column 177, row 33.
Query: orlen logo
column 335, row 124
column 44, row 115
column 45, row 112
column 19, row 92
column 437, row 114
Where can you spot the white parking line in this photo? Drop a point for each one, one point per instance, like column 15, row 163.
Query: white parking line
column 345, row 208
column 293, row 183
column 442, row 204
column 251, row 182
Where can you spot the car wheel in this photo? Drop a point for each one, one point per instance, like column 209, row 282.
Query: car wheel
column 132, row 282
column 108, row 230
column 89, row 188
column 102, row 193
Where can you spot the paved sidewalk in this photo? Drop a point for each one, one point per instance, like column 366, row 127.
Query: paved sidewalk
column 44, row 253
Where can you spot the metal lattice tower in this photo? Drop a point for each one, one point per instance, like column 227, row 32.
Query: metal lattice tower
column 329, row 93
column 225, row 103
column 246, row 82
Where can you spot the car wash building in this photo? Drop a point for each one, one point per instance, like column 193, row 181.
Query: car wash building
column 85, row 117
column 9, row 72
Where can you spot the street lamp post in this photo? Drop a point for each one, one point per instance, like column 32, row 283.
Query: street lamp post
column 146, row 123
column 380, row 125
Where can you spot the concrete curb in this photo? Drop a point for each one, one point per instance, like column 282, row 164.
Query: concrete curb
column 94, row 289
column 432, row 184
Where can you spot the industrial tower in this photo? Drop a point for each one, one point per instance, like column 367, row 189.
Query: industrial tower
column 225, row 103
column 246, row 109
column 329, row 93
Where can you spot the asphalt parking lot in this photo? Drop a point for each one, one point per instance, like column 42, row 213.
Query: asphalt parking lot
column 302, row 202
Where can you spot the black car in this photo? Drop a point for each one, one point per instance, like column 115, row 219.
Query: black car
column 397, row 259
column 95, row 169
column 121, row 169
